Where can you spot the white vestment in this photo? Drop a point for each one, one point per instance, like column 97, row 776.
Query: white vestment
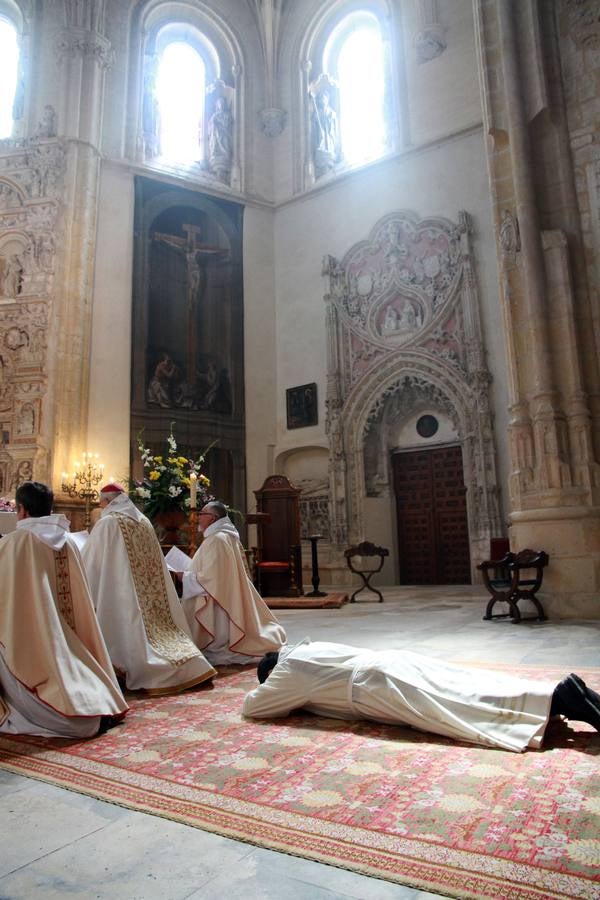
column 138, row 609
column 229, row 619
column 56, row 677
column 404, row 688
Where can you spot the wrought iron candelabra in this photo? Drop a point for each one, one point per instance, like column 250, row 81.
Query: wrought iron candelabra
column 87, row 475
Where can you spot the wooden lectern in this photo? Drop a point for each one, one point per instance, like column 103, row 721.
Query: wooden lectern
column 278, row 558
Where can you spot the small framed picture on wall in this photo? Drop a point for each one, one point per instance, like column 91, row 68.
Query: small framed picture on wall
column 301, row 404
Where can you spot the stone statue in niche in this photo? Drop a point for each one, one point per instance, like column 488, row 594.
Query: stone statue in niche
column 408, row 319
column 44, row 251
column 405, row 320
column 509, row 236
column 325, row 139
column 220, row 140
column 24, row 473
column 12, row 278
column 47, row 125
column 26, row 423
column 391, row 320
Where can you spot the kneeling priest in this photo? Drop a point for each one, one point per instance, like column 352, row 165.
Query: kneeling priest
column 56, row 678
column 138, row 609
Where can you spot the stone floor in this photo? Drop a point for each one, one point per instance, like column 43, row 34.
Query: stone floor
column 58, row 844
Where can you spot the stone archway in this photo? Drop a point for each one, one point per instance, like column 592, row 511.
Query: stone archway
column 403, row 330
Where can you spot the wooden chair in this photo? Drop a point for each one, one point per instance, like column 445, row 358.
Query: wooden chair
column 512, row 581
column 278, row 557
column 366, row 548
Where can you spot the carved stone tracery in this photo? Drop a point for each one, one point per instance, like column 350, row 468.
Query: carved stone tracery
column 31, row 175
column 404, row 335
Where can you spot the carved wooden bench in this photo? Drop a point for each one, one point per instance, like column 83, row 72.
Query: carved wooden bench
column 510, row 579
column 366, row 548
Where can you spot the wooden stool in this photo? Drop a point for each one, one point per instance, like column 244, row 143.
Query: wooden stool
column 509, row 584
column 366, row 549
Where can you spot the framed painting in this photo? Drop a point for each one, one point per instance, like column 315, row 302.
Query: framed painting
column 301, row 404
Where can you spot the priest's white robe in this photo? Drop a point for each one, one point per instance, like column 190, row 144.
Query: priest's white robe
column 230, row 621
column 138, row 609
column 56, row 677
column 404, row 688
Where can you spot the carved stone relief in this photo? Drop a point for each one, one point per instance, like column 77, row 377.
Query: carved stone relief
column 404, row 335
column 31, row 175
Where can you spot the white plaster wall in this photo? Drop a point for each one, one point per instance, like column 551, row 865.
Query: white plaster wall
column 110, row 362
column 260, row 337
column 440, row 179
column 443, row 93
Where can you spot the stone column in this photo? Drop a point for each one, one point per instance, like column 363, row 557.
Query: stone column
column 84, row 55
column 554, row 482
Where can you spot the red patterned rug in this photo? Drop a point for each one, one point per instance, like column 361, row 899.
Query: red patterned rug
column 384, row 801
column 329, row 601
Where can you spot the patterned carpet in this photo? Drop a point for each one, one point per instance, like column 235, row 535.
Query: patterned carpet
column 384, row 801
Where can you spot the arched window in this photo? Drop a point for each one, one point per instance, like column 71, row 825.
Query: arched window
column 354, row 55
column 180, row 88
column 187, row 109
column 9, row 71
column 349, row 97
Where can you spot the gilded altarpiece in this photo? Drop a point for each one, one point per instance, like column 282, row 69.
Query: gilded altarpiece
column 31, row 179
column 404, row 336
column 187, row 331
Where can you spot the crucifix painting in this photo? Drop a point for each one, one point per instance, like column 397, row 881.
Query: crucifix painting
column 188, row 322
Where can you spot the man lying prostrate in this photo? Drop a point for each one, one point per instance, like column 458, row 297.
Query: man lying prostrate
column 56, row 678
column 136, row 602
column 403, row 688
column 230, row 621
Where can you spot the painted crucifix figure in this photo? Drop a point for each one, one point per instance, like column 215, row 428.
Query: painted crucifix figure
column 198, row 257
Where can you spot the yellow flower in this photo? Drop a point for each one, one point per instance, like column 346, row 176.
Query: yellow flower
column 181, row 460
column 185, row 481
column 204, row 480
column 154, row 475
column 171, row 460
column 158, row 459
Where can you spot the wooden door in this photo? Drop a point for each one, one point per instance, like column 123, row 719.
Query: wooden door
column 433, row 535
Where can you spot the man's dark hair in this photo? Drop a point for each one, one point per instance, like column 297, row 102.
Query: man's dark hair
column 35, row 498
column 218, row 507
column 267, row 663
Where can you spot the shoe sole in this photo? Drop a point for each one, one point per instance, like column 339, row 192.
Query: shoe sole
column 583, row 689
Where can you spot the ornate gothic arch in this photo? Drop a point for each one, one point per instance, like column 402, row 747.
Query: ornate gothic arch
column 403, row 326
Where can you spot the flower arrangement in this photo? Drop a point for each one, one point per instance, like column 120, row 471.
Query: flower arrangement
column 7, row 505
column 170, row 481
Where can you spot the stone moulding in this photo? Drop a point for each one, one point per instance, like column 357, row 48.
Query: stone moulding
column 403, row 326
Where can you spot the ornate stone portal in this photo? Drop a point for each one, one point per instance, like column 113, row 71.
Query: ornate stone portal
column 404, row 335
column 31, row 177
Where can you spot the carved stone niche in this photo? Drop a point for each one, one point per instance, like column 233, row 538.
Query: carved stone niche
column 13, row 251
column 403, row 335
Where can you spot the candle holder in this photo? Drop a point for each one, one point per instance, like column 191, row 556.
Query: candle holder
column 313, row 538
column 193, row 530
column 87, row 475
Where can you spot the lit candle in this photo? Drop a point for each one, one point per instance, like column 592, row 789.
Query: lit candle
column 193, row 489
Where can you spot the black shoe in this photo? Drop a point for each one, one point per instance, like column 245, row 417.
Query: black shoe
column 573, row 699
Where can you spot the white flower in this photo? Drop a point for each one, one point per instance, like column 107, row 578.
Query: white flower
column 143, row 492
column 172, row 443
column 174, row 491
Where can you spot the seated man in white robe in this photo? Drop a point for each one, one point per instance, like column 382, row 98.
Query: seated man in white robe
column 230, row 621
column 399, row 687
column 138, row 609
column 56, row 678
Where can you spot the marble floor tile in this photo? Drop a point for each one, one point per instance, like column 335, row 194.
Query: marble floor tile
column 58, row 844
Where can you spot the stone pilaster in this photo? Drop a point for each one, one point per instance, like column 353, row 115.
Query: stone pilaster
column 83, row 55
column 555, row 478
